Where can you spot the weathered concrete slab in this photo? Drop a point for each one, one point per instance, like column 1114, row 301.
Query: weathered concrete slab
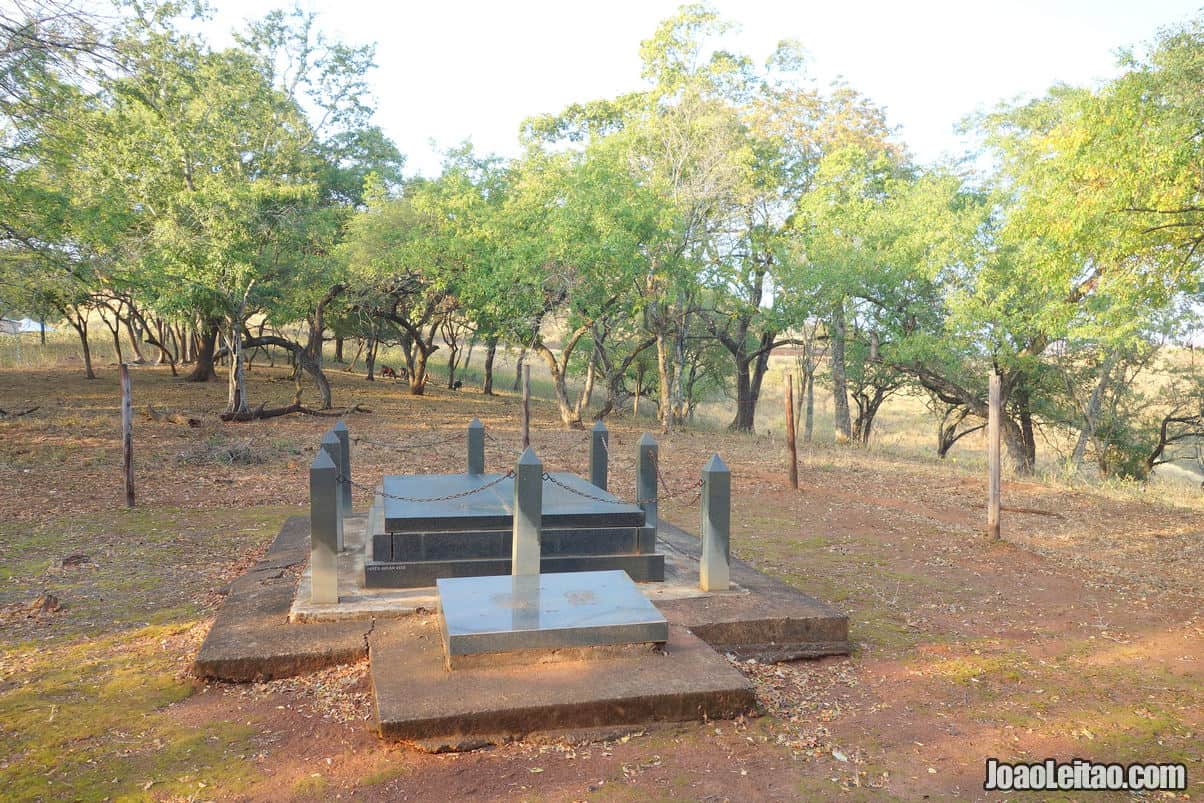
column 534, row 614
column 493, row 507
column 417, row 699
column 252, row 639
column 762, row 617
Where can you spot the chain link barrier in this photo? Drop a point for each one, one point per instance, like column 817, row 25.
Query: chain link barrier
column 692, row 488
column 695, row 487
column 449, row 497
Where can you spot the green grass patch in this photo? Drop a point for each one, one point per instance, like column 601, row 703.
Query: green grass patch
column 86, row 720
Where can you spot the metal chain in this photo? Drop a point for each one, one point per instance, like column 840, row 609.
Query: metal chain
column 668, row 494
column 447, row 498
column 695, row 488
column 612, row 501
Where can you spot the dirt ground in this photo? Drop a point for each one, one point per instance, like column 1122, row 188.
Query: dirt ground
column 1080, row 635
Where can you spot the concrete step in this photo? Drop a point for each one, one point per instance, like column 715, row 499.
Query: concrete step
column 642, row 568
column 418, row 699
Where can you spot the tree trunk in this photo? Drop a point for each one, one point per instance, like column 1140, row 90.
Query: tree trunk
column 1013, row 438
column 518, row 370
column 359, row 349
column 867, row 410
column 745, row 404
column 203, row 370
column 664, row 372
column 1091, row 414
column 588, row 391
column 338, row 349
column 114, row 330
column 134, row 344
column 1028, row 465
column 840, row 393
column 80, row 324
column 236, row 402
column 370, row 358
column 809, row 405
column 490, row 353
column 568, row 415
column 418, row 375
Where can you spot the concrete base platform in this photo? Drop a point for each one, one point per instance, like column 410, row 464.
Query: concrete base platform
column 257, row 635
column 418, row 699
column 762, row 618
column 251, row 639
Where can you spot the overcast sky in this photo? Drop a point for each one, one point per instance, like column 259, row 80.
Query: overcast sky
column 450, row 71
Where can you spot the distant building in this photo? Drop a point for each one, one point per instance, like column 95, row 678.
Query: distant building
column 10, row 326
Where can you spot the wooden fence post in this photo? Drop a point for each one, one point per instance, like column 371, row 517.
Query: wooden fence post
column 127, row 435
column 790, row 446
column 994, row 418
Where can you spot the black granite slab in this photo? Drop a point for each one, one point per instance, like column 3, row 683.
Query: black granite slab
column 471, row 544
column 421, row 574
column 492, row 508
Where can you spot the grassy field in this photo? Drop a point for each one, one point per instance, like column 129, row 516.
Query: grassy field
column 1079, row 635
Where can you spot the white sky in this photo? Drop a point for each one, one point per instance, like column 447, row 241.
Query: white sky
column 475, row 69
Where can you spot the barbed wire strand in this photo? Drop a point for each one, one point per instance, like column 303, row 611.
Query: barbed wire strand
column 408, row 447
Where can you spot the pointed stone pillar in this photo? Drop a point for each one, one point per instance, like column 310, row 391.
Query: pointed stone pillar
column 599, row 457
column 645, row 490
column 323, row 530
column 340, row 431
column 715, row 568
column 528, row 514
column 330, row 445
column 476, row 447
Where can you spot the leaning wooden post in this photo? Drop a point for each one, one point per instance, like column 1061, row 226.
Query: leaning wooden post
column 331, row 446
column 476, row 447
column 528, row 514
column 599, row 446
column 994, row 418
column 526, row 406
column 792, row 452
column 323, row 530
column 344, row 463
column 127, row 435
column 715, row 569
column 645, row 490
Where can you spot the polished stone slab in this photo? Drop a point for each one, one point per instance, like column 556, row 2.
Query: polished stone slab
column 492, row 507
column 502, row 614
column 470, row 544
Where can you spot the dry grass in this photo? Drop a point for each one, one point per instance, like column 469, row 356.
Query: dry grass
column 1083, row 622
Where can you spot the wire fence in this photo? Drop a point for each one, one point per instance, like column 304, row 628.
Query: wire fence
column 694, row 488
column 409, row 447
